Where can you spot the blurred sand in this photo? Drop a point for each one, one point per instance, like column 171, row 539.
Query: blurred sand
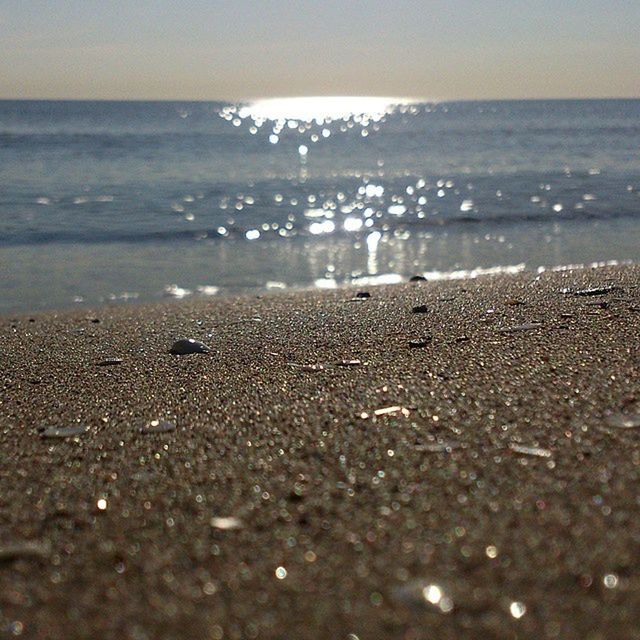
column 282, row 506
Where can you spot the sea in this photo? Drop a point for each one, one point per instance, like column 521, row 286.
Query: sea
column 126, row 202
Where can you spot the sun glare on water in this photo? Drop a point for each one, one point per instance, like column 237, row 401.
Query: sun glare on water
column 322, row 108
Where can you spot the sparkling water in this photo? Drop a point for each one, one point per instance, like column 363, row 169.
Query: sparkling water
column 103, row 201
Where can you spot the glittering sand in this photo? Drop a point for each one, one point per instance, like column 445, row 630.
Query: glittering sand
column 332, row 468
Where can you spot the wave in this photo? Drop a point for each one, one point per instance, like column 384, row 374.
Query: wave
column 452, row 223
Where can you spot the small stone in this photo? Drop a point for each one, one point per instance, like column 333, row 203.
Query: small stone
column 63, row 432
column 187, row 346
column 419, row 343
column 363, row 295
column 421, row 308
column 158, row 426
column 623, row 421
column 417, row 279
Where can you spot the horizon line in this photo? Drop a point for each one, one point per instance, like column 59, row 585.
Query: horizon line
column 415, row 100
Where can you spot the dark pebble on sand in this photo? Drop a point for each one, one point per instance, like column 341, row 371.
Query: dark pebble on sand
column 363, row 294
column 158, row 426
column 187, row 346
column 417, row 279
column 421, row 308
column 417, row 344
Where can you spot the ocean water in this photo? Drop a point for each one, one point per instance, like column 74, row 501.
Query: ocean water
column 134, row 201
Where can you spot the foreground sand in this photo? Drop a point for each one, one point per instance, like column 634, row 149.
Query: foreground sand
column 497, row 479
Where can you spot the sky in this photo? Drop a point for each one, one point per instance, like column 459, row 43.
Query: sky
column 218, row 49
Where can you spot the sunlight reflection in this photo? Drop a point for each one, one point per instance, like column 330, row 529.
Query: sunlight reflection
column 321, row 108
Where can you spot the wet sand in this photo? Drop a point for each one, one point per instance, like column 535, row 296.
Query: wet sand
column 338, row 468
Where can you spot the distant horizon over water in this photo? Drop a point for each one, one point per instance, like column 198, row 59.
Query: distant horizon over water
column 104, row 201
column 258, row 97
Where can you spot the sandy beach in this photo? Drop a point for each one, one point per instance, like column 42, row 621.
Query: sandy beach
column 438, row 460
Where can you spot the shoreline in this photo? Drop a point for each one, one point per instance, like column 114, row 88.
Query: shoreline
column 175, row 293
column 332, row 466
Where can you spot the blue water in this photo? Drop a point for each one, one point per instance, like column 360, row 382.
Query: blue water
column 104, row 201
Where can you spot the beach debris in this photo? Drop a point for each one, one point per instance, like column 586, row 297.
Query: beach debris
column 529, row 451
column 421, row 308
column 186, row 346
column 424, row 594
column 386, row 411
column 623, row 420
column 26, row 549
column 226, row 523
column 107, row 362
column 419, row 343
column 595, row 291
column 417, row 279
column 528, row 326
column 63, row 432
column 158, row 426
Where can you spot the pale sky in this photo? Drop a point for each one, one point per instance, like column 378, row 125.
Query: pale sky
column 218, row 49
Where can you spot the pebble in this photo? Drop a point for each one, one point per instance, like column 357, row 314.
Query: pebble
column 188, row 345
column 417, row 279
column 63, row 432
column 624, row 421
column 363, row 294
column 158, row 426
column 421, row 308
